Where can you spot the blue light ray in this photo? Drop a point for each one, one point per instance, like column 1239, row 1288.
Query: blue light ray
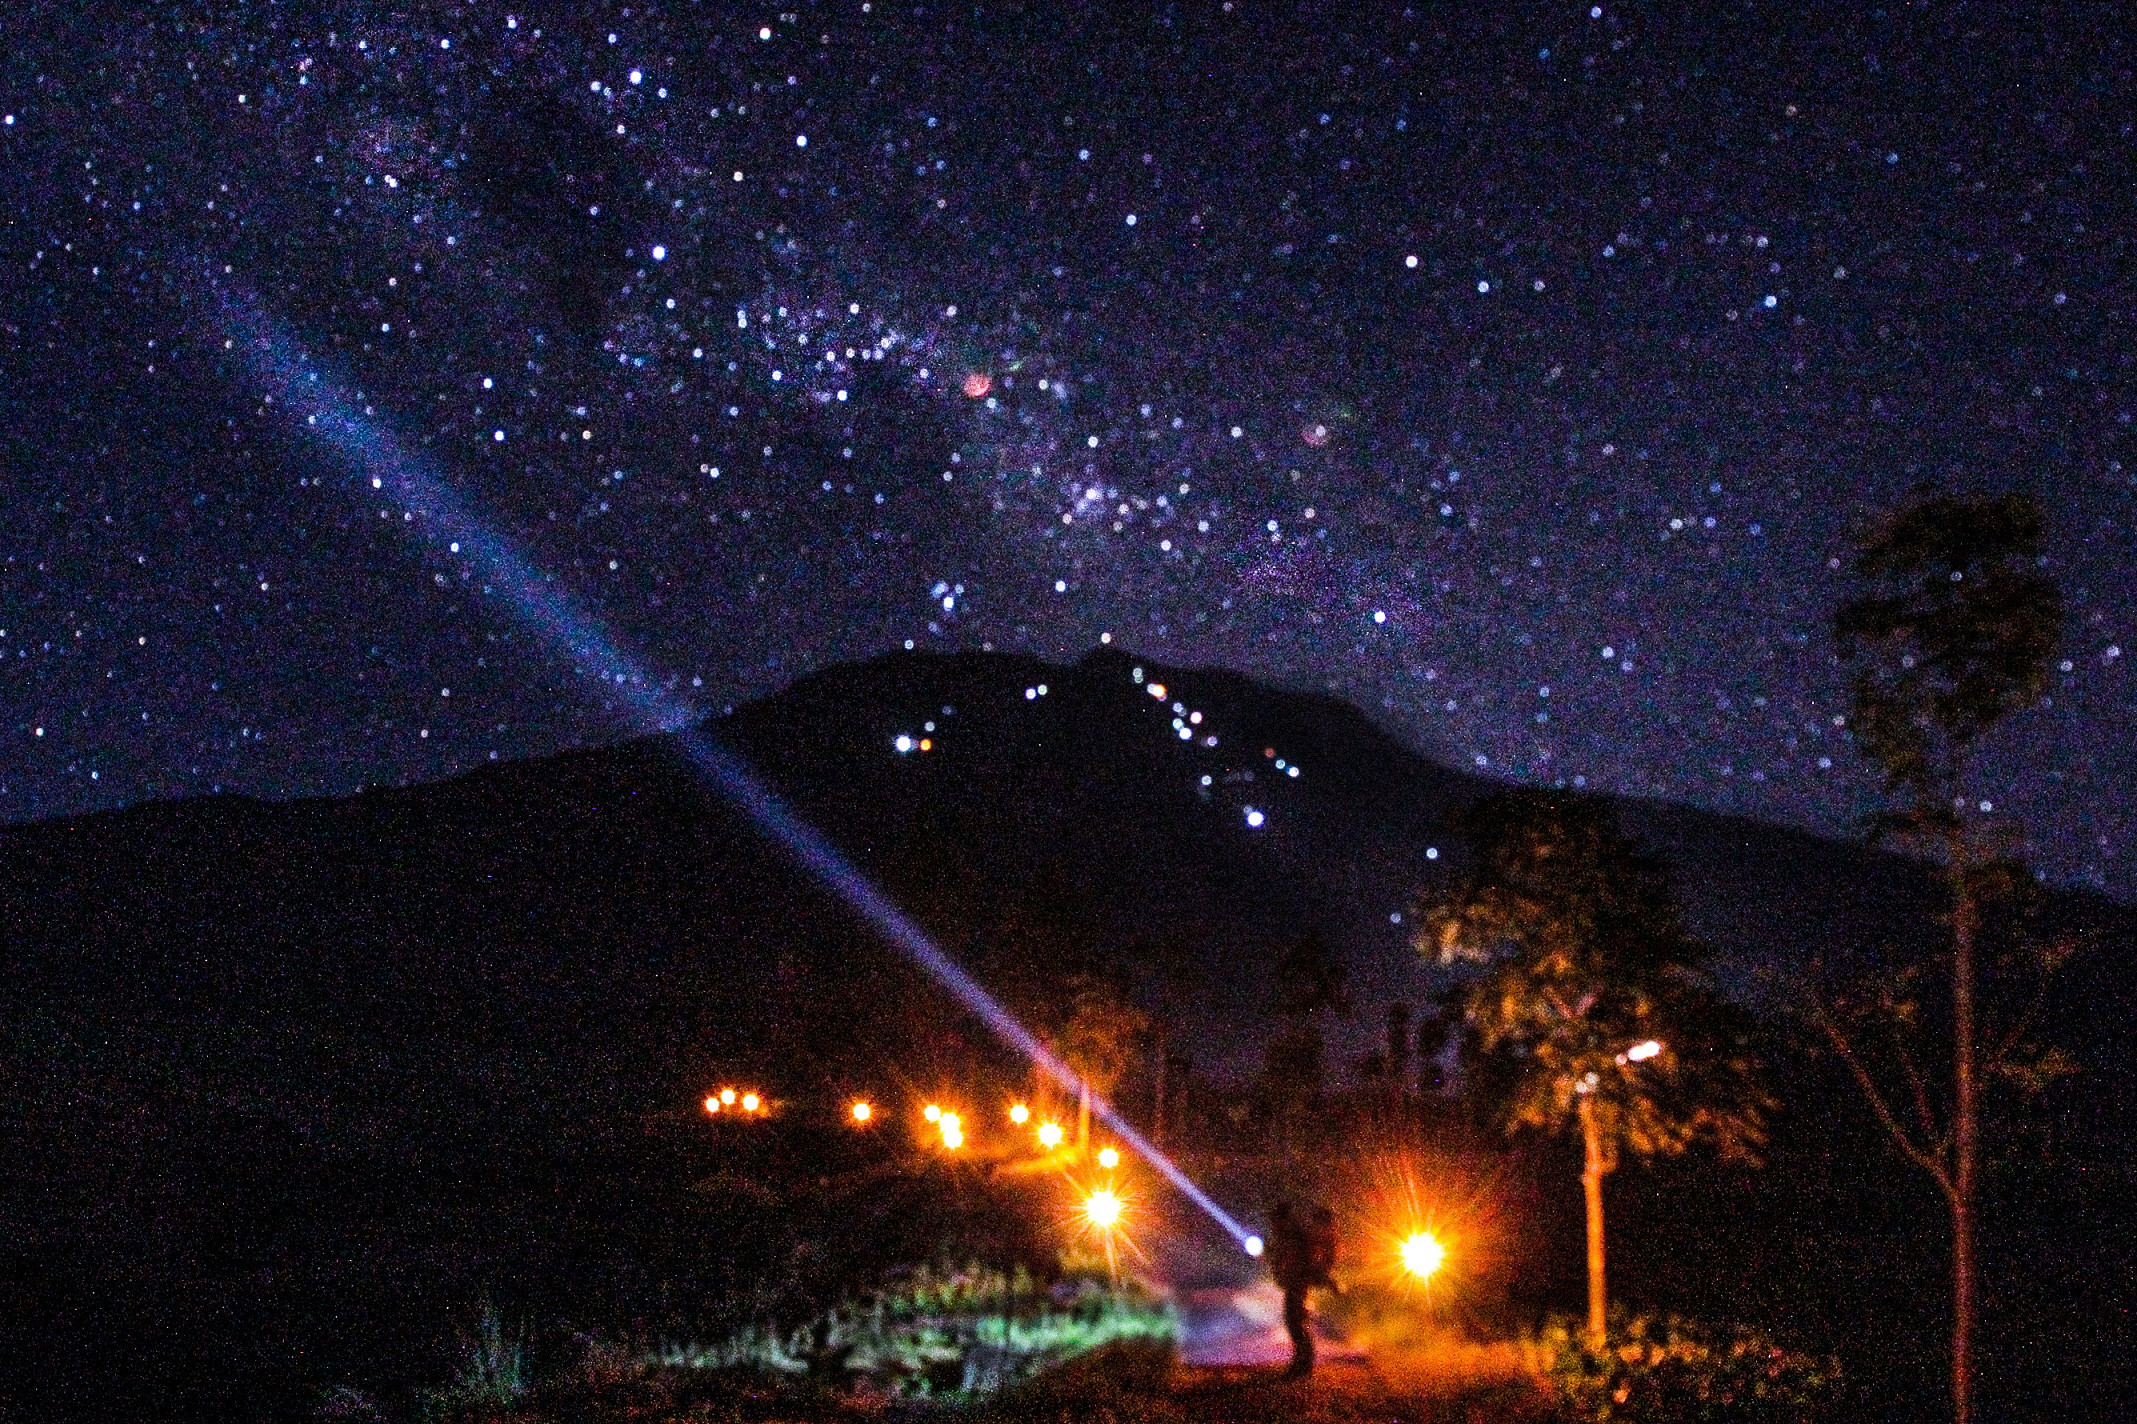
column 432, row 510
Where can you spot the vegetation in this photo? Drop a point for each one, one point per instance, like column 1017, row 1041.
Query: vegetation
column 1308, row 985
column 1951, row 635
column 1667, row 1369
column 944, row 1335
column 1591, row 1010
column 931, row 1333
column 494, row 1372
column 1649, row 1370
column 1099, row 1043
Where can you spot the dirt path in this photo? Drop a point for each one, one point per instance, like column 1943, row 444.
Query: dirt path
column 1453, row 1385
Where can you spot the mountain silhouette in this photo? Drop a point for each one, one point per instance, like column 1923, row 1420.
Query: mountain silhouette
column 263, row 1054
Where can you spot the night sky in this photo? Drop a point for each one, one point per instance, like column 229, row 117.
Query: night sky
column 1519, row 374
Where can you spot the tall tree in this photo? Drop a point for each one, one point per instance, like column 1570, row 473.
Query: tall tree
column 1591, row 1010
column 1310, row 979
column 1099, row 1041
column 1308, row 982
column 1951, row 634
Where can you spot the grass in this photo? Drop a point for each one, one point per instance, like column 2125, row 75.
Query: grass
column 976, row 1346
column 494, row 1372
column 1127, row 1382
column 926, row 1336
column 935, row 1333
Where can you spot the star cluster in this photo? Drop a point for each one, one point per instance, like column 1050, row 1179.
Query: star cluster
column 1520, row 376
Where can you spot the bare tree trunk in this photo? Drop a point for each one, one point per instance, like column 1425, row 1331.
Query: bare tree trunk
column 1966, row 1136
column 1591, row 1180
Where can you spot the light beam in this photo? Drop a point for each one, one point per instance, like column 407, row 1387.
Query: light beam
column 387, row 470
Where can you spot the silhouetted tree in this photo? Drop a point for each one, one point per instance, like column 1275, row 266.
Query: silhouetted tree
column 1952, row 633
column 1168, row 975
column 1099, row 1042
column 1308, row 982
column 1310, row 979
column 1293, row 1069
column 1591, row 1009
column 1398, row 1050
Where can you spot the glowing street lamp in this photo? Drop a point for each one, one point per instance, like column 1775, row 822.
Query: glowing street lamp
column 1422, row 1254
column 1019, row 1114
column 931, row 1113
column 1108, row 1158
column 727, row 1097
column 1049, row 1135
column 862, row 1112
column 712, row 1103
column 1641, row 1052
column 1103, row 1209
column 751, row 1102
column 953, row 1132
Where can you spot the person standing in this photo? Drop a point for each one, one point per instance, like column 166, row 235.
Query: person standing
column 1302, row 1251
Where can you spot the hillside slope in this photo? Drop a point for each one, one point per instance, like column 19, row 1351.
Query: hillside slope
column 269, row 1065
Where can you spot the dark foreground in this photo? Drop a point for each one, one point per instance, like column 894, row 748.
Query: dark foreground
column 1124, row 1385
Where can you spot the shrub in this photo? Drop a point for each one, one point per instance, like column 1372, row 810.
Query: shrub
column 493, row 1371
column 934, row 1332
column 1666, row 1368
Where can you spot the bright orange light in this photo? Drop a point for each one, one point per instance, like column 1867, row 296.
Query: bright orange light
column 727, row 1095
column 1422, row 1254
column 862, row 1112
column 1108, row 1158
column 1019, row 1114
column 931, row 1113
column 1049, row 1134
column 953, row 1136
column 1103, row 1208
column 712, row 1104
column 750, row 1102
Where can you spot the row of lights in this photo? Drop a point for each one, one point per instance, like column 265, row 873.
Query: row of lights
column 952, row 1127
column 1422, row 1254
column 728, row 1098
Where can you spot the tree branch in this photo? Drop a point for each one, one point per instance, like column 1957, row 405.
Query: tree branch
column 1918, row 1088
column 1907, row 1145
column 2002, row 1055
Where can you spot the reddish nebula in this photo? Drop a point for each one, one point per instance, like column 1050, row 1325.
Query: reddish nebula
column 1315, row 435
column 978, row 383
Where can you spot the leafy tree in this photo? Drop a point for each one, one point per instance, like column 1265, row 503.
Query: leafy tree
column 1167, row 973
column 1309, row 981
column 1952, row 633
column 1099, row 1042
column 1398, row 1050
column 1591, row 1010
column 1293, row 1069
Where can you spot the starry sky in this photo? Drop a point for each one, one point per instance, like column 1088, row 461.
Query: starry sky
column 1519, row 373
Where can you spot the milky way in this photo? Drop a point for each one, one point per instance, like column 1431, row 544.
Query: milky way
column 1521, row 378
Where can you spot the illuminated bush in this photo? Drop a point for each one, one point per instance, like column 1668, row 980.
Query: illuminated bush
column 493, row 1370
column 944, row 1332
column 1657, row 1369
